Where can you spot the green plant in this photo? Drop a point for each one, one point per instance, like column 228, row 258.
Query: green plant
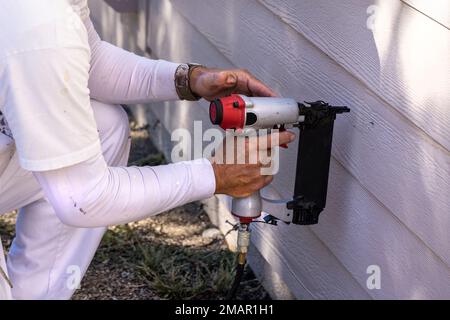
column 186, row 273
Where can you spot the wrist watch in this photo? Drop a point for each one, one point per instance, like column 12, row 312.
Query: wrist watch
column 182, row 81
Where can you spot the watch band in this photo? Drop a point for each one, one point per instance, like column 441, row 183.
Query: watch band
column 182, row 82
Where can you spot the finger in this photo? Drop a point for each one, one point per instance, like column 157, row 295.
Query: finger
column 251, row 86
column 222, row 80
column 230, row 79
column 280, row 138
column 218, row 84
column 271, row 140
column 268, row 180
column 259, row 89
column 263, row 182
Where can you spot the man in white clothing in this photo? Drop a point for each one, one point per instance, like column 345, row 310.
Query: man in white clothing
column 64, row 141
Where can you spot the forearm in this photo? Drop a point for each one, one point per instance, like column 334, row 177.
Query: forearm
column 121, row 77
column 91, row 194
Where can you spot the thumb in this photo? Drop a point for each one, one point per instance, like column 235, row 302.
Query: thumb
column 228, row 79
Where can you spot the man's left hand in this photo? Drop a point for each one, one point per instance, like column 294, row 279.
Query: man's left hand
column 215, row 83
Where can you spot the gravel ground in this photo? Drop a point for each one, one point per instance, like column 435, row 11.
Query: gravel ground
column 176, row 255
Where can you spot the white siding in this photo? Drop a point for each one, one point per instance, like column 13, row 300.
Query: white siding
column 438, row 10
column 388, row 199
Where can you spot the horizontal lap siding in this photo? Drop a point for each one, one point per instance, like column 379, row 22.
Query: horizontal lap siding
column 127, row 31
column 412, row 179
column 389, row 174
column 304, row 281
column 387, row 197
column 404, row 60
column 386, row 153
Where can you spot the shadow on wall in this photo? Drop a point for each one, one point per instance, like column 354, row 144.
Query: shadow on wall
column 124, row 6
column 117, row 28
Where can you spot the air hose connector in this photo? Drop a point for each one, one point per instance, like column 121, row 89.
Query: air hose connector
column 243, row 244
column 243, row 241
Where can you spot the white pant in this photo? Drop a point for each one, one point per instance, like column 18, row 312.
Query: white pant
column 47, row 258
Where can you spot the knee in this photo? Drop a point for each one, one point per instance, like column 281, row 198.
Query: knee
column 111, row 120
column 114, row 131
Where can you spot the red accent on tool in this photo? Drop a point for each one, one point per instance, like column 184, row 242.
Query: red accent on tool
column 246, row 220
column 228, row 112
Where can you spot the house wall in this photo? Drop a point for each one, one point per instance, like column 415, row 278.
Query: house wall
column 388, row 60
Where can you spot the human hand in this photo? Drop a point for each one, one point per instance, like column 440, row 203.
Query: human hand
column 241, row 180
column 216, row 83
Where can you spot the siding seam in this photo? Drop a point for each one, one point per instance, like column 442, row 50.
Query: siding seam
column 362, row 81
column 426, row 15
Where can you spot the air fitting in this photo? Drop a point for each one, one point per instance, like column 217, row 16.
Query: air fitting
column 243, row 242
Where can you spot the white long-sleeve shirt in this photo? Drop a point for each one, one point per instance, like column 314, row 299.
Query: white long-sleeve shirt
column 91, row 194
column 50, row 67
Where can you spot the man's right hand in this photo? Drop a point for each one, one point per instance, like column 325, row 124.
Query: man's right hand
column 242, row 180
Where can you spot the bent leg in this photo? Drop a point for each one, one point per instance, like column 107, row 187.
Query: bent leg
column 47, row 258
column 6, row 154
